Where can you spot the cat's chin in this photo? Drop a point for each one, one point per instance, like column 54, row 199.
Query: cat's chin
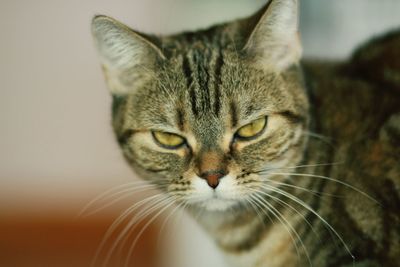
column 217, row 204
column 223, row 198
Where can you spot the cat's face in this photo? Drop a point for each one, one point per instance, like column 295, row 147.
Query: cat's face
column 201, row 116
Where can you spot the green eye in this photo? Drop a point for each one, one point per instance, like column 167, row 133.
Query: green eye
column 168, row 140
column 252, row 130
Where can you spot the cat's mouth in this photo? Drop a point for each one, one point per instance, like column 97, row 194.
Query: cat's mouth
column 223, row 197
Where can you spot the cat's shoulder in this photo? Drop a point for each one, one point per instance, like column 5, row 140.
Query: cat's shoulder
column 356, row 103
column 378, row 61
column 359, row 97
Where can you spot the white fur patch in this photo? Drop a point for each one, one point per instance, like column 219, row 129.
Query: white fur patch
column 222, row 198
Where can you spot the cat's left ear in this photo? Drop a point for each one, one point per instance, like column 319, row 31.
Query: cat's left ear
column 274, row 41
column 129, row 58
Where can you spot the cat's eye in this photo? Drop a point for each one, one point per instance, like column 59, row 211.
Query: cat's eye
column 168, row 140
column 252, row 130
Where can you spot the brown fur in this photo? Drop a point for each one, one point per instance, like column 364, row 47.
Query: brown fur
column 318, row 186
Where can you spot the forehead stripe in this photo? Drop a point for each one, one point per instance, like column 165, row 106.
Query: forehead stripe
column 218, row 81
column 200, row 60
column 180, row 119
column 234, row 114
column 187, row 70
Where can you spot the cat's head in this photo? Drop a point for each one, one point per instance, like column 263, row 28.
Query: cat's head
column 202, row 114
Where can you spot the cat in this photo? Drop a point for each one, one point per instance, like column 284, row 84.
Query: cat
column 284, row 162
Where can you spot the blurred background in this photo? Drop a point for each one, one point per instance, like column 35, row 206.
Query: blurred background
column 57, row 150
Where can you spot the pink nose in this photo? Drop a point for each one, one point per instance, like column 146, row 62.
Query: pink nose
column 213, row 177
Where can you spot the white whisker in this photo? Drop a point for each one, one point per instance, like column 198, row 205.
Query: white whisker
column 109, row 191
column 123, row 194
column 117, row 222
column 285, row 224
column 145, row 227
column 321, row 137
column 180, row 206
column 306, row 206
column 298, row 166
column 330, row 179
column 125, row 233
column 289, row 206
column 256, row 208
column 316, row 193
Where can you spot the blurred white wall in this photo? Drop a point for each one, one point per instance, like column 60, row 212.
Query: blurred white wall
column 331, row 29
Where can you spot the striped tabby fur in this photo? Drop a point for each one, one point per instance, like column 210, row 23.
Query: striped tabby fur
column 319, row 187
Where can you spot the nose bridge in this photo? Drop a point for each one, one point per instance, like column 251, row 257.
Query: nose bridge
column 210, row 155
column 211, row 160
column 211, row 166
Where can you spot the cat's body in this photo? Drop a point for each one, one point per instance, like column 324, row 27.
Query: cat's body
column 362, row 123
column 287, row 163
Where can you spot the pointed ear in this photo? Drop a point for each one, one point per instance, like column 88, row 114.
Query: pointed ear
column 274, row 41
column 128, row 58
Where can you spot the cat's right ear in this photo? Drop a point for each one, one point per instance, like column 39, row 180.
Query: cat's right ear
column 128, row 58
column 274, row 41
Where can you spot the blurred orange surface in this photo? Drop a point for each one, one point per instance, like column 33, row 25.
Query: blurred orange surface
column 61, row 240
